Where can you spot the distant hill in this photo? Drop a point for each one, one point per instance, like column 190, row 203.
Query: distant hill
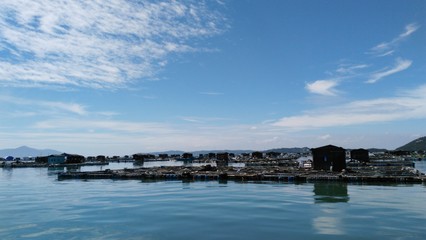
column 222, row 151
column 373, row 150
column 290, row 150
column 170, row 152
column 196, row 153
column 280, row 150
column 415, row 145
column 25, row 151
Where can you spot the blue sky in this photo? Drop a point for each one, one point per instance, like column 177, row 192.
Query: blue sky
column 118, row 77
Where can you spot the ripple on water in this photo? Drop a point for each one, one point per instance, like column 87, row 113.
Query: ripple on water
column 37, row 206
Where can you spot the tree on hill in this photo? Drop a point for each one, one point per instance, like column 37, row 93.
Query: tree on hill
column 416, row 145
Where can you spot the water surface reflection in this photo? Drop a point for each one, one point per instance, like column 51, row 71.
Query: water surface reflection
column 329, row 220
column 332, row 192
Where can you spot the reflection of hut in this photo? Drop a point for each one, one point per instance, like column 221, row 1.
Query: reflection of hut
column 360, row 155
column 331, row 192
column 329, row 158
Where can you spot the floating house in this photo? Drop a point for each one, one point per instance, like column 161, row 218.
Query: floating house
column 257, row 155
column 56, row 159
column 65, row 158
column 100, row 158
column 187, row 156
column 361, row 155
column 74, row 158
column 42, row 159
column 329, row 158
column 400, row 153
column 222, row 159
column 273, row 155
column 139, row 157
column 222, row 156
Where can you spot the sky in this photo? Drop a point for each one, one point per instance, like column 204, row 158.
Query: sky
column 120, row 77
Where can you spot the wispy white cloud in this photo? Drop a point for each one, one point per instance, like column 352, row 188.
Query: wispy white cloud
column 350, row 68
column 409, row 29
column 344, row 71
column 325, row 137
column 68, row 107
column 408, row 105
column 211, row 93
column 195, row 119
column 97, row 44
column 388, row 48
column 350, row 71
column 384, row 54
column 400, row 65
column 323, row 87
column 96, row 125
column 108, row 113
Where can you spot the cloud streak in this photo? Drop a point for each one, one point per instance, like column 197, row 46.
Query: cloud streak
column 323, row 87
column 409, row 105
column 400, row 65
column 86, row 125
column 106, row 44
column 345, row 71
column 73, row 108
column 388, row 48
column 350, row 68
column 211, row 93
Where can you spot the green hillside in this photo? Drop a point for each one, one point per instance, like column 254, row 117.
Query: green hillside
column 416, row 145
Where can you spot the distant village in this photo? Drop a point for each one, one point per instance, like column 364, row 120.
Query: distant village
column 329, row 163
column 329, row 157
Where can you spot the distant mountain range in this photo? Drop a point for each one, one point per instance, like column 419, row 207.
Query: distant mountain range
column 375, row 150
column 290, row 150
column 280, row 150
column 196, row 153
column 415, row 145
column 25, row 151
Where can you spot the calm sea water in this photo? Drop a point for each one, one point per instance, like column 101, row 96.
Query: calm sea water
column 35, row 205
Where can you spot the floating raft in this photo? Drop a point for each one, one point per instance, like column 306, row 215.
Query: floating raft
column 208, row 173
